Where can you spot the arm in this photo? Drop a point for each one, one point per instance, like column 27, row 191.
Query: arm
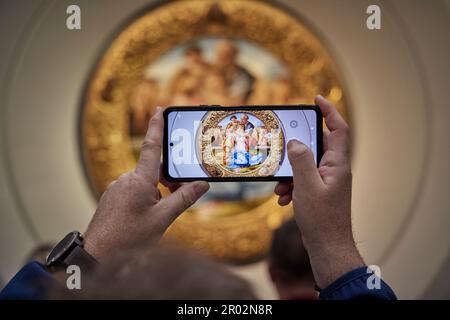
column 131, row 213
column 322, row 202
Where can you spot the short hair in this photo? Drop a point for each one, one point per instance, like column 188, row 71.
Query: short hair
column 162, row 273
column 288, row 254
column 233, row 117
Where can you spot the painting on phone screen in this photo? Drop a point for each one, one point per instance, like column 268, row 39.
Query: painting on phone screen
column 240, row 144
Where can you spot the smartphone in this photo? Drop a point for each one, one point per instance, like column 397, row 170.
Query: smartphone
column 244, row 143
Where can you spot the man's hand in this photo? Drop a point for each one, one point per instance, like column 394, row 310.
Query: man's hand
column 322, row 199
column 131, row 212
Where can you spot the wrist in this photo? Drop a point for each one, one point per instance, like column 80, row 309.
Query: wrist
column 332, row 260
column 92, row 247
column 324, row 243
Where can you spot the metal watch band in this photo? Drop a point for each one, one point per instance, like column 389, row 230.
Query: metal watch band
column 82, row 259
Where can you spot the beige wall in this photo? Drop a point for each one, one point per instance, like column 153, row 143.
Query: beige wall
column 396, row 78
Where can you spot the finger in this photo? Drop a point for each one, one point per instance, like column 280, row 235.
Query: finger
column 179, row 201
column 285, row 199
column 306, row 175
column 326, row 134
column 111, row 184
column 332, row 117
column 283, row 188
column 149, row 160
column 172, row 186
column 338, row 139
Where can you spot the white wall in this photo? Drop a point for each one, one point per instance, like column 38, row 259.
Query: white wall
column 396, row 78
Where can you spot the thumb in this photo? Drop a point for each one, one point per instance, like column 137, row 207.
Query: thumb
column 303, row 166
column 184, row 197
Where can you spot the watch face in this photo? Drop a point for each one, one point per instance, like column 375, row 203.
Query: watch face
column 61, row 248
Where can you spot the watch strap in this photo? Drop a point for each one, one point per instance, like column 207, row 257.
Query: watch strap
column 81, row 258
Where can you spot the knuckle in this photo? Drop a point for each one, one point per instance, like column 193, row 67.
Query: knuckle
column 111, row 184
column 154, row 120
column 300, row 153
column 188, row 197
column 155, row 123
column 151, row 144
column 345, row 130
column 124, row 176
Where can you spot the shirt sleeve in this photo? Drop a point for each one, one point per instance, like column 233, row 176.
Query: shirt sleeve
column 358, row 284
column 32, row 282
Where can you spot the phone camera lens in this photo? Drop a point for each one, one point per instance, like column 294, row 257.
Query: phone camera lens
column 171, row 144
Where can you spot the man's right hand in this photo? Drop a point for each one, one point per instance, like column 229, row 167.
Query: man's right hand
column 322, row 199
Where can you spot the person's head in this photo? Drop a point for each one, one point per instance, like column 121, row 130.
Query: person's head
column 226, row 52
column 233, row 119
column 163, row 273
column 244, row 119
column 193, row 54
column 289, row 265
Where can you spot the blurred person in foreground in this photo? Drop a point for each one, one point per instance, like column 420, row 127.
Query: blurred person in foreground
column 132, row 213
column 288, row 264
column 161, row 273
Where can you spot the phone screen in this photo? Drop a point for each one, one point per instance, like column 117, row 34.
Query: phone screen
column 240, row 144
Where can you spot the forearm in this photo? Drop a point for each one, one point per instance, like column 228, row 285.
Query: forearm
column 331, row 261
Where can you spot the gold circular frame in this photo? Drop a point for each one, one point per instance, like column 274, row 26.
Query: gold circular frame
column 209, row 162
column 104, row 124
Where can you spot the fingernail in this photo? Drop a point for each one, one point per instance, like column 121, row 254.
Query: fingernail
column 291, row 143
column 158, row 109
column 320, row 97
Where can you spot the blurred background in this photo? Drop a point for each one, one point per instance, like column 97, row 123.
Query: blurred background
column 74, row 104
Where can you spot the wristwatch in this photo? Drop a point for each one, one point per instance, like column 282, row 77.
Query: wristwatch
column 70, row 251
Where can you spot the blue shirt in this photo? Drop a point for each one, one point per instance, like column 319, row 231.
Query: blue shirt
column 33, row 281
column 353, row 285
